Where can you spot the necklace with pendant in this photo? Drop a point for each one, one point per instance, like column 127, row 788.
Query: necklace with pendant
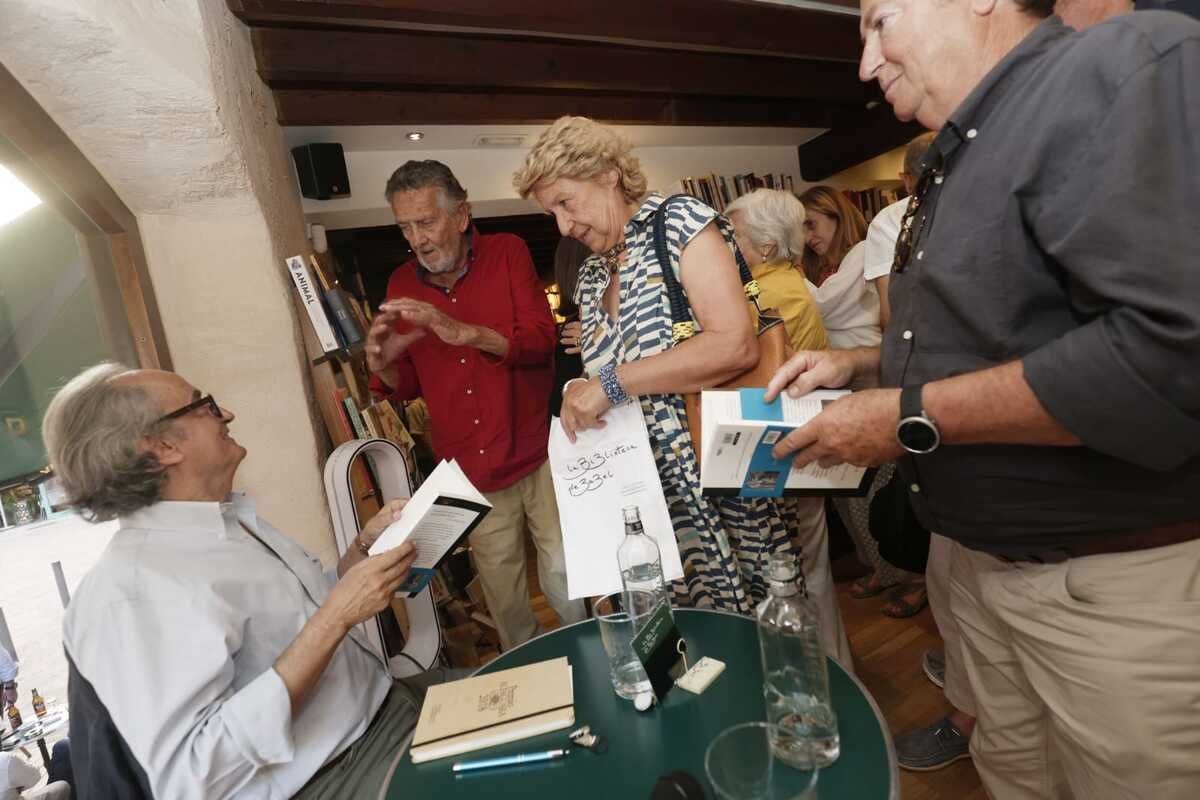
column 612, row 258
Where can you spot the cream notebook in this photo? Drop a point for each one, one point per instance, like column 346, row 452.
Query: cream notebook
column 486, row 710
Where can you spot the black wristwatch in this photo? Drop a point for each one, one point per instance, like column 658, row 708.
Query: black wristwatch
column 916, row 431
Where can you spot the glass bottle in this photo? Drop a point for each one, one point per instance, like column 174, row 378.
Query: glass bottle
column 795, row 675
column 39, row 705
column 14, row 716
column 641, row 568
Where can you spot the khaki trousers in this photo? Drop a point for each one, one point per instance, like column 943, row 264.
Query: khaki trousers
column 498, row 547
column 811, row 535
column 1096, row 660
column 937, row 585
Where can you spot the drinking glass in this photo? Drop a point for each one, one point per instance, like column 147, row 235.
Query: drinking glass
column 740, row 765
column 617, row 627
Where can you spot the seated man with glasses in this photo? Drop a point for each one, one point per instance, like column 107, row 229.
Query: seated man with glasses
column 224, row 655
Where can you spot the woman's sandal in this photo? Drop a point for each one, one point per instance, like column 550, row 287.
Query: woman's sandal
column 866, row 587
column 901, row 608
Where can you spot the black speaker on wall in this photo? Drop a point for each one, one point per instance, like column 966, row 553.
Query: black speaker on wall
column 321, row 168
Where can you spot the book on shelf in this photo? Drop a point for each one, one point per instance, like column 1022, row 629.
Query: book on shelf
column 438, row 516
column 339, row 404
column 368, row 418
column 356, row 420
column 719, row 191
column 487, row 710
column 872, row 200
column 310, row 296
column 739, row 429
column 338, row 304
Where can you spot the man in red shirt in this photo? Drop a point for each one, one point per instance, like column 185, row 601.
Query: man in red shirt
column 466, row 325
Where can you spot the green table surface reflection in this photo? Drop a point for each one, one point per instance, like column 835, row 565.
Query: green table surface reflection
column 669, row 737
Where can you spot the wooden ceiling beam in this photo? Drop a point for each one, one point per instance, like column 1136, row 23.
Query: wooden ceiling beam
column 362, row 59
column 855, row 139
column 339, row 107
column 737, row 25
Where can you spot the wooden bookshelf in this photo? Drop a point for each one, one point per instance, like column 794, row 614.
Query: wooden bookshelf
column 718, row 191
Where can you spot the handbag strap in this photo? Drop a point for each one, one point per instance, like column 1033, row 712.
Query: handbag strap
column 682, row 325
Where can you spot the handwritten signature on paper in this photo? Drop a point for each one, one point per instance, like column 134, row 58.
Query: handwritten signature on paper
column 589, row 482
column 596, row 460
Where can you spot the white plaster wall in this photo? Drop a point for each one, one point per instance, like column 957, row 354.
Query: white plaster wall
column 161, row 96
column 487, row 176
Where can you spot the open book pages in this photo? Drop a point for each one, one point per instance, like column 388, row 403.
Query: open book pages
column 739, row 431
column 443, row 511
column 486, row 710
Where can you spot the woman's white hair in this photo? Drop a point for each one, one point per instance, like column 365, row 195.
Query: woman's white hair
column 772, row 216
column 93, row 431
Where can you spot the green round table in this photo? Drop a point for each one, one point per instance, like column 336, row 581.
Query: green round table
column 669, row 737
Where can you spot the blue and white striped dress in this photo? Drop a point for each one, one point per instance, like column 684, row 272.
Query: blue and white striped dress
column 725, row 544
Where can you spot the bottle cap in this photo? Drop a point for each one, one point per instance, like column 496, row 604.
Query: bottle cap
column 631, row 514
column 783, row 568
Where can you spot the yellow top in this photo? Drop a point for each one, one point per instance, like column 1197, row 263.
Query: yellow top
column 783, row 288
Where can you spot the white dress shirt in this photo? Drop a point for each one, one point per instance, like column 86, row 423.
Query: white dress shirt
column 881, row 240
column 177, row 628
column 16, row 774
column 849, row 305
column 8, row 667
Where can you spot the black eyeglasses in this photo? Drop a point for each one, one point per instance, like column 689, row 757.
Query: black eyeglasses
column 203, row 402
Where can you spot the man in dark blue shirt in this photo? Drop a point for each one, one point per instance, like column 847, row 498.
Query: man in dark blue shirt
column 1046, row 332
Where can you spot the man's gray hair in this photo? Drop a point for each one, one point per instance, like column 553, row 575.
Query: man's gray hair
column 93, row 431
column 413, row 175
column 915, row 151
column 772, row 216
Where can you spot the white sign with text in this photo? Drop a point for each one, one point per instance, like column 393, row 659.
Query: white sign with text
column 605, row 470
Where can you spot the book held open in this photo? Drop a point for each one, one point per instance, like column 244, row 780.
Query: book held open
column 486, row 710
column 740, row 429
column 439, row 515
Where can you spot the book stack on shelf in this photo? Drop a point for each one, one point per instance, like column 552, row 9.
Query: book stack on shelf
column 719, row 191
column 871, row 201
column 339, row 319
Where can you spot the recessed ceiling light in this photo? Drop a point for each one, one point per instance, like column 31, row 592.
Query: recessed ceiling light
column 415, row 136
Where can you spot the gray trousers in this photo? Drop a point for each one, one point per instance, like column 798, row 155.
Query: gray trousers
column 360, row 771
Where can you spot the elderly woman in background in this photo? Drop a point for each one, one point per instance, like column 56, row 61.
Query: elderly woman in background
column 833, row 263
column 767, row 227
column 584, row 175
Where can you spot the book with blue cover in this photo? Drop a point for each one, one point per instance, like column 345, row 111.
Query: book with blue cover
column 740, row 428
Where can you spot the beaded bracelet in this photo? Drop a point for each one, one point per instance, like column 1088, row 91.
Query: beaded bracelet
column 612, row 387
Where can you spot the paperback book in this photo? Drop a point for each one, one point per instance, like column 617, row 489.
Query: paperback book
column 740, row 429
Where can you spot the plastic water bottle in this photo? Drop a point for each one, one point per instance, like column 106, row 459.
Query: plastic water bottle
column 641, row 567
column 796, row 685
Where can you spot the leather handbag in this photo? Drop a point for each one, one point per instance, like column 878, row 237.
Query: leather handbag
column 773, row 348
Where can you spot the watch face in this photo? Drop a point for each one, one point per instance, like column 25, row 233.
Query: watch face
column 918, row 435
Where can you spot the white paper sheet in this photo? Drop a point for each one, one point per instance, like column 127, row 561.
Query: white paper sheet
column 605, row 470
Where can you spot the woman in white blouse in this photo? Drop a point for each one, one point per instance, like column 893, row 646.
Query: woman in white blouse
column 833, row 260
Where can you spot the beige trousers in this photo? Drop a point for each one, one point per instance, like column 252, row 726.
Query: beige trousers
column 1095, row 660
column 498, row 548
column 811, row 535
column 937, row 584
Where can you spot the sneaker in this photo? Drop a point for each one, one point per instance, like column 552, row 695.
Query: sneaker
column 932, row 748
column 933, row 663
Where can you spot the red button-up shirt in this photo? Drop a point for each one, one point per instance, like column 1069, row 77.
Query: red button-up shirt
column 490, row 414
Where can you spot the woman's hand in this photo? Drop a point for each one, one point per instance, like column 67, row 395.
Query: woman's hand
column 583, row 404
column 377, row 524
column 570, row 336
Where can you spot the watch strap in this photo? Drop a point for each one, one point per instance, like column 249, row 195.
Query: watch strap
column 910, row 401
